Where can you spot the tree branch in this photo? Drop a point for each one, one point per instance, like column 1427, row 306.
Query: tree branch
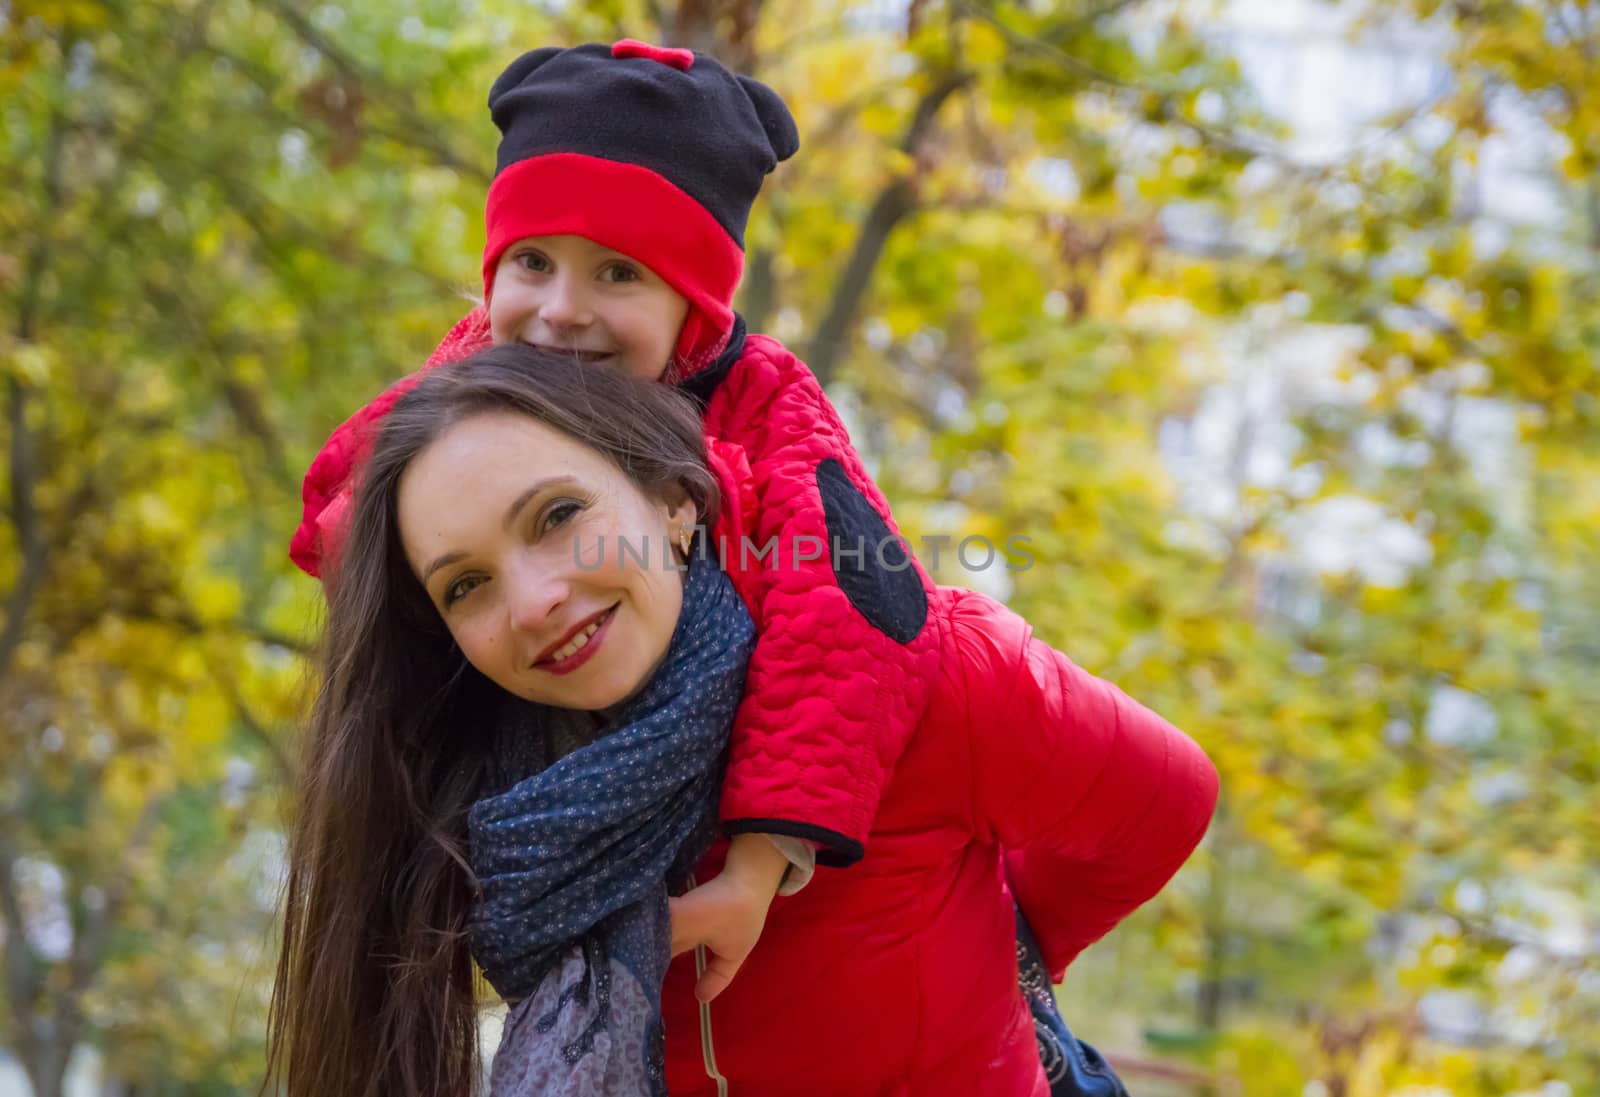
column 90, row 941
column 187, row 622
column 1168, row 99
column 24, row 517
column 1044, row 46
column 23, row 975
column 725, row 29
column 168, row 87
column 894, row 202
column 1089, row 18
column 1130, row 1065
column 415, row 130
column 280, row 757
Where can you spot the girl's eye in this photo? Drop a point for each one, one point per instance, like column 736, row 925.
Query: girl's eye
column 621, row 272
column 534, row 261
column 559, row 514
column 461, row 588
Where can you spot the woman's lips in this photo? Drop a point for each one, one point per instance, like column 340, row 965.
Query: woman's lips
column 595, row 628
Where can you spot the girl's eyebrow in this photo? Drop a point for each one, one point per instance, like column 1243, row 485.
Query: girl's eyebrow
column 516, row 508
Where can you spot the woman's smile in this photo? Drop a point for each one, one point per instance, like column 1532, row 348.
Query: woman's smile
column 578, row 647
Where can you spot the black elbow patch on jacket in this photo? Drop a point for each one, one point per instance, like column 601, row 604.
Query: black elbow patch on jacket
column 871, row 564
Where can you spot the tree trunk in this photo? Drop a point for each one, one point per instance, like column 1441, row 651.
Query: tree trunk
column 832, row 337
column 758, row 293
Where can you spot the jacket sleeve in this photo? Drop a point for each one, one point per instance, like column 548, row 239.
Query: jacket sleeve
column 1097, row 800
column 325, row 492
column 845, row 655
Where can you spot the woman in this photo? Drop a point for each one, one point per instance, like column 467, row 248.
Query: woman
column 516, row 745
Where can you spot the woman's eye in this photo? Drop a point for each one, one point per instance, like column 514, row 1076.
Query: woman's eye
column 621, row 272
column 559, row 514
column 534, row 261
column 461, row 588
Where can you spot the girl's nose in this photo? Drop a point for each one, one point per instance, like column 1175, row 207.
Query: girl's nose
column 565, row 305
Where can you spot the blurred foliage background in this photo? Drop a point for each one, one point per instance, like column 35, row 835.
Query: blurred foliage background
column 1273, row 325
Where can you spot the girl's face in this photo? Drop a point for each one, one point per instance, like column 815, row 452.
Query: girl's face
column 529, row 544
column 569, row 294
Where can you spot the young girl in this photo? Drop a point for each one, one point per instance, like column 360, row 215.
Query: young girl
column 472, row 773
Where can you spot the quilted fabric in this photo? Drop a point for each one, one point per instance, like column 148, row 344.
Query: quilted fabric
column 1025, row 775
column 831, row 698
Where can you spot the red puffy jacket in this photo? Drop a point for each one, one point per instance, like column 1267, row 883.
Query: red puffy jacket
column 899, row 977
column 844, row 659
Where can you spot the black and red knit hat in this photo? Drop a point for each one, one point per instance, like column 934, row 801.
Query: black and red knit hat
column 656, row 153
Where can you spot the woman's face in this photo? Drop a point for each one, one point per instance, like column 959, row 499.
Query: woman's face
column 529, row 544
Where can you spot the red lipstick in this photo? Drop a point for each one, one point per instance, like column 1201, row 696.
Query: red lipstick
column 583, row 654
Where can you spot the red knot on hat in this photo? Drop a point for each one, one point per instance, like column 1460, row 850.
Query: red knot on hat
column 675, row 58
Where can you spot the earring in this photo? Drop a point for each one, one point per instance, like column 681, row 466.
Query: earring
column 684, row 537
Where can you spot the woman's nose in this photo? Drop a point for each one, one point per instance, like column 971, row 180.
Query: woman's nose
column 534, row 598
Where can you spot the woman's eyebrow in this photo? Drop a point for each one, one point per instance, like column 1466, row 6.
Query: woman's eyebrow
column 442, row 562
column 522, row 500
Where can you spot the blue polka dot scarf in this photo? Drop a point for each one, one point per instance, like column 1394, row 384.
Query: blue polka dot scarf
column 575, row 854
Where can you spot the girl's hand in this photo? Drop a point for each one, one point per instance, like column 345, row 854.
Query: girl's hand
column 727, row 913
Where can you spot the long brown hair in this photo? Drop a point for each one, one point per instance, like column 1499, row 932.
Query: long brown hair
column 375, row 991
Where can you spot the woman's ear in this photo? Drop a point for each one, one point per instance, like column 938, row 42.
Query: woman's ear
column 681, row 507
column 683, row 513
column 683, row 518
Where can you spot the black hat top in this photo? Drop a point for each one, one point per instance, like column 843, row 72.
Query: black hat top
column 710, row 132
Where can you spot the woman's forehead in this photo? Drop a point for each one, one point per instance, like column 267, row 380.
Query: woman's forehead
column 478, row 467
column 468, row 475
column 503, row 441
